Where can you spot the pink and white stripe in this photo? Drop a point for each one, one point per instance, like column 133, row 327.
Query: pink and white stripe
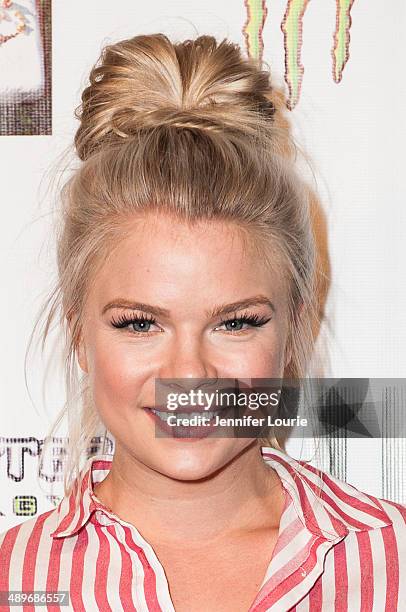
column 338, row 549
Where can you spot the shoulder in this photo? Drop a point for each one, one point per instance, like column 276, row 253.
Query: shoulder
column 394, row 534
column 340, row 494
column 371, row 557
column 28, row 542
column 335, row 505
column 376, row 524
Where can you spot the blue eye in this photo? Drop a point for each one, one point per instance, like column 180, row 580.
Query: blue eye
column 252, row 320
column 143, row 323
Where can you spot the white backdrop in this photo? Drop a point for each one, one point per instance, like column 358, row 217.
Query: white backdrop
column 353, row 130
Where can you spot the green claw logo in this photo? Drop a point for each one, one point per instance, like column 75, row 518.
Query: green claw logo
column 25, row 505
column 292, row 28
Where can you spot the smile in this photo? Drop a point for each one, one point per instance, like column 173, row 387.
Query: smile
column 206, row 415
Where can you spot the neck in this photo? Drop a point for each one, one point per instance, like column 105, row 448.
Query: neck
column 244, row 495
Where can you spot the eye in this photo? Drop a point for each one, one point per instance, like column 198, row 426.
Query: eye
column 141, row 324
column 252, row 320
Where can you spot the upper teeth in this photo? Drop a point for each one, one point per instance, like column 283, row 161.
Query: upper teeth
column 184, row 415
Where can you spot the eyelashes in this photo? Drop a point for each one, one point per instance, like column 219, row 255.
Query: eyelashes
column 123, row 321
column 254, row 320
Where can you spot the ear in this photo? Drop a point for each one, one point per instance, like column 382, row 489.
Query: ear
column 288, row 353
column 288, row 349
column 81, row 354
column 80, row 348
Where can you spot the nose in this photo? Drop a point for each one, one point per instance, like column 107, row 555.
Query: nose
column 187, row 366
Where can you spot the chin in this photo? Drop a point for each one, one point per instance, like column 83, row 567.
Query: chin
column 189, row 472
column 195, row 460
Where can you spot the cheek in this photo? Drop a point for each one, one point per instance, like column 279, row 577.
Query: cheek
column 261, row 359
column 117, row 372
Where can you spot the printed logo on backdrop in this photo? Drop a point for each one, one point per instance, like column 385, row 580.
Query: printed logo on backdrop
column 292, row 28
column 18, row 455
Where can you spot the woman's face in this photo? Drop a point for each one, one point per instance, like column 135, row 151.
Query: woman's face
column 188, row 273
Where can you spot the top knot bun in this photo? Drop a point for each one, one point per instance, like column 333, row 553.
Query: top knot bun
column 148, row 81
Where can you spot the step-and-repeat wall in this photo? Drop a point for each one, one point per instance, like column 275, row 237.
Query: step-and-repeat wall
column 338, row 63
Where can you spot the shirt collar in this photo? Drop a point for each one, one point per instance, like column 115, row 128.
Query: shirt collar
column 77, row 508
column 327, row 506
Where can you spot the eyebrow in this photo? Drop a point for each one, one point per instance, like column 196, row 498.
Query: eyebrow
column 255, row 300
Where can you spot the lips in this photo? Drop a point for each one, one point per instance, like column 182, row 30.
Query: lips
column 184, row 432
column 182, row 409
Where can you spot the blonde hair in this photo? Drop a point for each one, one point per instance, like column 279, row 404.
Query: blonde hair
column 190, row 129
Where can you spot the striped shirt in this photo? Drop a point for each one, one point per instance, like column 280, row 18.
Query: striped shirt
column 337, row 549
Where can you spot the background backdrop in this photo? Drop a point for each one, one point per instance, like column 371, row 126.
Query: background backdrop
column 25, row 68
column 342, row 76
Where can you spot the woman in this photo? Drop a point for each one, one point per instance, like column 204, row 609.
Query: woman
column 186, row 254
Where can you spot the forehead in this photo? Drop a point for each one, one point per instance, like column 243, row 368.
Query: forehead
column 169, row 234
column 208, row 256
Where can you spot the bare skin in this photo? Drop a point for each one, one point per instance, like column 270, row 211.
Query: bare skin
column 210, row 508
column 223, row 577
